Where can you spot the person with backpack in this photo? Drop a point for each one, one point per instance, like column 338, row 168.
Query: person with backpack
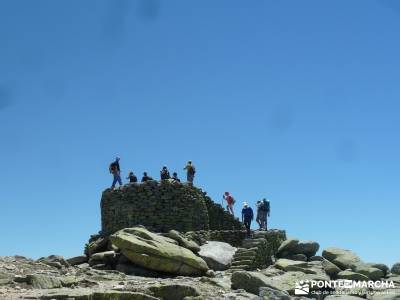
column 260, row 214
column 266, row 209
column 230, row 201
column 116, row 171
column 164, row 173
column 146, row 177
column 132, row 178
column 190, row 171
column 247, row 217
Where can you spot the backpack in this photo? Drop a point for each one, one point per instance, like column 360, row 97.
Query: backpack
column 265, row 206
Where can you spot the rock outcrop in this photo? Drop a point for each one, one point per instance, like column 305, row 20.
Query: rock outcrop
column 217, row 255
column 293, row 248
column 211, row 258
column 395, row 268
column 343, row 258
column 135, row 263
column 157, row 253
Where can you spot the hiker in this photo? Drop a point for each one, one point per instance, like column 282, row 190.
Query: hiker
column 164, row 173
column 266, row 208
column 132, row 178
column 190, row 171
column 175, row 177
column 247, row 217
column 146, row 177
column 230, row 202
column 116, row 171
column 259, row 214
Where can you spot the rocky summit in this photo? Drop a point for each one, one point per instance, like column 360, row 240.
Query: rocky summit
column 165, row 250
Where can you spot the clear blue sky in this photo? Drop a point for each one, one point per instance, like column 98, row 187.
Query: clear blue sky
column 297, row 101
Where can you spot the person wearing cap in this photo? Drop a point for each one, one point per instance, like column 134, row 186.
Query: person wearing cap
column 175, row 177
column 190, row 171
column 230, row 201
column 146, row 177
column 164, row 173
column 132, row 178
column 247, row 217
column 116, row 171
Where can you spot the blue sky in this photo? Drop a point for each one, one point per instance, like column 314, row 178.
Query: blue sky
column 297, row 101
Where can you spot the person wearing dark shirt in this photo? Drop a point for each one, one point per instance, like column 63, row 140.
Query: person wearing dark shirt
column 132, row 178
column 146, row 177
column 267, row 210
column 116, row 171
column 175, row 177
column 164, row 173
column 247, row 217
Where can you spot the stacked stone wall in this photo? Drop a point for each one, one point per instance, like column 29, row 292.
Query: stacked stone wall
column 162, row 206
column 219, row 218
column 159, row 206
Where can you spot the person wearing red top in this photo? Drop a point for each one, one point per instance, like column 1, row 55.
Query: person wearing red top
column 230, row 201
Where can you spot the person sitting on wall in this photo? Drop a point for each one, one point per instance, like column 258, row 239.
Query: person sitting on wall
column 146, row 177
column 132, row 178
column 164, row 173
column 247, row 217
column 116, row 172
column 175, row 177
column 230, row 202
column 190, row 171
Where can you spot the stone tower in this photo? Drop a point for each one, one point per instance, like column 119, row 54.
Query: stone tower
column 162, row 206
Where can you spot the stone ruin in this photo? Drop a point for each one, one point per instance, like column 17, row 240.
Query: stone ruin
column 159, row 210
column 163, row 206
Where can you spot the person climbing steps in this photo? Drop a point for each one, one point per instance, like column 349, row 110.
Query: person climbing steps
column 247, row 217
column 230, row 201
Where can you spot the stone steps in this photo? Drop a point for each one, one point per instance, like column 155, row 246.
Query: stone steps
column 246, row 250
column 242, row 259
column 245, row 256
column 251, row 243
column 239, row 268
column 260, row 234
column 249, row 252
column 242, row 262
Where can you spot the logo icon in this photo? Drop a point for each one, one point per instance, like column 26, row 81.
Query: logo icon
column 302, row 288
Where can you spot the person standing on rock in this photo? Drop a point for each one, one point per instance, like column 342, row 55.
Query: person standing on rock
column 164, row 173
column 247, row 217
column 132, row 178
column 260, row 215
column 266, row 209
column 175, row 177
column 190, row 171
column 230, row 201
column 116, row 171
column 146, row 177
